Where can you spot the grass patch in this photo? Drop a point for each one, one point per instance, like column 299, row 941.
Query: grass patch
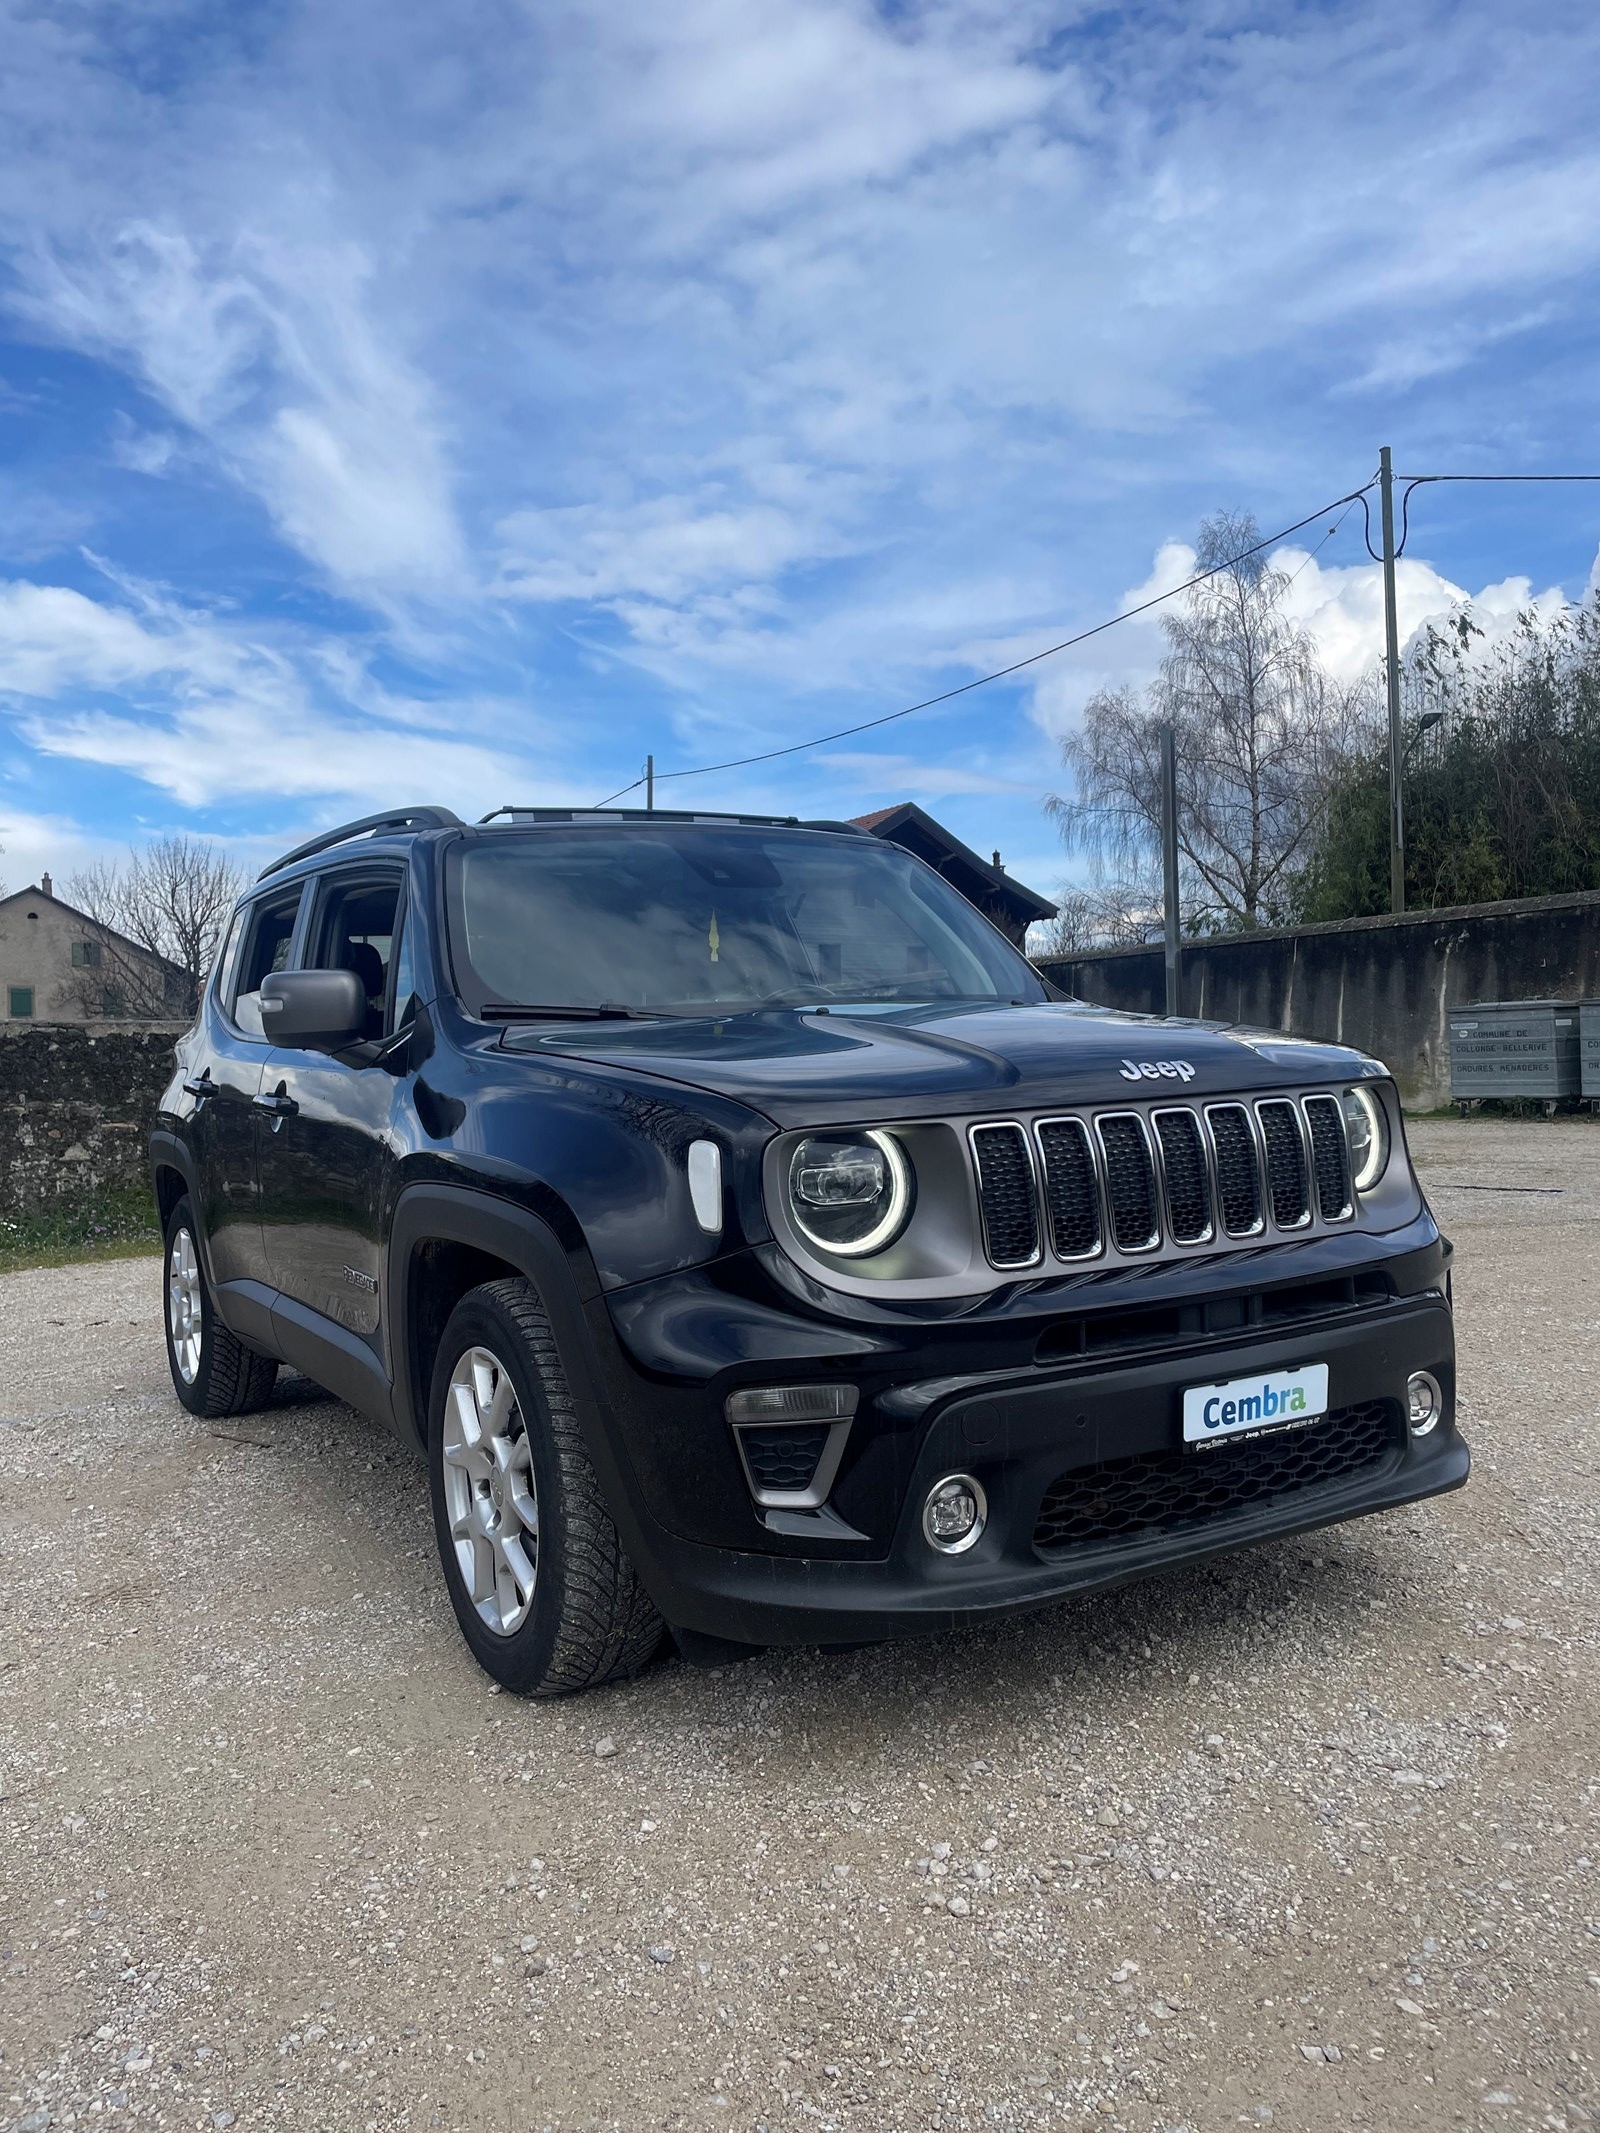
column 117, row 1225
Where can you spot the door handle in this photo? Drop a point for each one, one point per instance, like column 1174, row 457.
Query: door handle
column 202, row 1088
column 281, row 1104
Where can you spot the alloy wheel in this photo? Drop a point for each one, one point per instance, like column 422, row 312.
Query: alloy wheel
column 183, row 1305
column 490, row 1493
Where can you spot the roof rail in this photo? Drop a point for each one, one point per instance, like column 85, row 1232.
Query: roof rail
column 663, row 814
column 407, row 818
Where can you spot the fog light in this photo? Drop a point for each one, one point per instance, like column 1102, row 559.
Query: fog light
column 954, row 1514
column 1424, row 1403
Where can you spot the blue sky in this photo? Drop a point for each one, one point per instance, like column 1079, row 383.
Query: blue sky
column 401, row 402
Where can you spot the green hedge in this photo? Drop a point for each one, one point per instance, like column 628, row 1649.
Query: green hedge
column 117, row 1223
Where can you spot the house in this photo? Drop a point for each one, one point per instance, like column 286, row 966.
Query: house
column 1004, row 902
column 59, row 965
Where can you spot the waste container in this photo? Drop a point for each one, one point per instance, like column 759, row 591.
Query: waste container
column 1515, row 1048
column 1589, row 1046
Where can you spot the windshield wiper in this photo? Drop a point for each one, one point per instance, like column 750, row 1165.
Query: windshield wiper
column 607, row 1011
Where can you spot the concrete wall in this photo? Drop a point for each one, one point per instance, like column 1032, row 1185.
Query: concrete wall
column 1383, row 984
column 76, row 1103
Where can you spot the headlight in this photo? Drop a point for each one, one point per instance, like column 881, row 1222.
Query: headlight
column 1366, row 1123
column 850, row 1193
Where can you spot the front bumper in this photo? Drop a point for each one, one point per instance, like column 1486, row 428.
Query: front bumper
column 863, row 1571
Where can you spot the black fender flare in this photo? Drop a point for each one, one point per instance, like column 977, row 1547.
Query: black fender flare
column 565, row 1280
column 169, row 1151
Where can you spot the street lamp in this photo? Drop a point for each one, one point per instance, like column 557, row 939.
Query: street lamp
column 1425, row 724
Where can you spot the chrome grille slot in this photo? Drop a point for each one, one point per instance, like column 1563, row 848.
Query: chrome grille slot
column 1286, row 1163
column 1330, row 1158
column 1238, row 1177
column 1071, row 1188
column 1006, row 1195
column 1130, row 1181
column 1183, row 1157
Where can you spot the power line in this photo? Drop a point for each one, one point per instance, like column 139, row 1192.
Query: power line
column 1326, row 538
column 1417, row 480
column 1128, row 614
column 1423, row 481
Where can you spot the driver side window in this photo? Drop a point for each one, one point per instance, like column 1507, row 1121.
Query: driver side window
column 355, row 930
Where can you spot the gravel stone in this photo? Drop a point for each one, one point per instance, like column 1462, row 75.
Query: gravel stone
column 1357, row 1769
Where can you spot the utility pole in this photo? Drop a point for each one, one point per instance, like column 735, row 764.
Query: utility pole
column 649, row 784
column 1169, row 858
column 1391, row 626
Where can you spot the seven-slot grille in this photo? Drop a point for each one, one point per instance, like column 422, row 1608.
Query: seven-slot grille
column 1181, row 1175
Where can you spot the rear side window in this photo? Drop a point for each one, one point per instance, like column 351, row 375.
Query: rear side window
column 268, row 939
column 229, row 954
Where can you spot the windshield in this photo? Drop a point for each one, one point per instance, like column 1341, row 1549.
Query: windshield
column 693, row 918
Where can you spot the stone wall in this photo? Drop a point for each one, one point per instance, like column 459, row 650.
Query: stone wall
column 1385, row 985
column 76, row 1103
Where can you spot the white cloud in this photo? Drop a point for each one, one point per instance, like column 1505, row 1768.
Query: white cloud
column 35, row 844
column 906, row 777
column 207, row 710
column 800, row 359
column 1340, row 605
column 662, row 550
column 266, row 350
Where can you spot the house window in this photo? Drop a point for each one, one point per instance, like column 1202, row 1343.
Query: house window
column 111, row 1003
column 21, row 999
column 86, row 955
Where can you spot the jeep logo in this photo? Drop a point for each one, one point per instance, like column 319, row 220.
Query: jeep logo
column 1157, row 1070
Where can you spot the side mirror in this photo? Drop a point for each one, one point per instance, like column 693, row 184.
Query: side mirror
column 317, row 1010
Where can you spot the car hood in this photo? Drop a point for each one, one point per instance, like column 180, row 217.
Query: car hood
column 805, row 1068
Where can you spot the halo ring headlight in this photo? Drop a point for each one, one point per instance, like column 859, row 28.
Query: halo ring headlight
column 1366, row 1125
column 850, row 1194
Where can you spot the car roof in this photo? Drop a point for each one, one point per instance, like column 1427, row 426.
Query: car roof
column 396, row 830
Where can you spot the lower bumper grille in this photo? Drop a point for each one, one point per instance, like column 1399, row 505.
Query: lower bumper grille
column 1167, row 1491
column 784, row 1459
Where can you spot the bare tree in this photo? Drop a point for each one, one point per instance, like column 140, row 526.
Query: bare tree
column 157, row 926
column 1113, row 914
column 1260, row 731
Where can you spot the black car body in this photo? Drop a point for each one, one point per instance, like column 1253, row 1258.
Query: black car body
column 1105, row 1213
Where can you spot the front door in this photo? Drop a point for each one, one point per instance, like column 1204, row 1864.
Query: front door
column 325, row 1147
column 225, row 1088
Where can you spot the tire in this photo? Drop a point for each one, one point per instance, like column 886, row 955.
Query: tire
column 213, row 1372
column 545, row 1594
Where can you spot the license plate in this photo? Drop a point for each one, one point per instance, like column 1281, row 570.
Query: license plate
column 1243, row 1405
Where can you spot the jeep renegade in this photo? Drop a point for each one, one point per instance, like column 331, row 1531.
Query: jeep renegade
column 755, row 1244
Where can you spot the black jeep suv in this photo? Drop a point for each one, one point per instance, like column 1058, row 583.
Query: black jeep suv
column 754, row 1242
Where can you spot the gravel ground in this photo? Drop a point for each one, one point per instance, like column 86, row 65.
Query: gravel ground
column 1305, row 1837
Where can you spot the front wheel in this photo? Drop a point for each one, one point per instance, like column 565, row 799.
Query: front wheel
column 541, row 1586
column 213, row 1373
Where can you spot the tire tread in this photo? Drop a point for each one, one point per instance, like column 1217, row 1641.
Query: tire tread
column 608, row 1627
column 232, row 1379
